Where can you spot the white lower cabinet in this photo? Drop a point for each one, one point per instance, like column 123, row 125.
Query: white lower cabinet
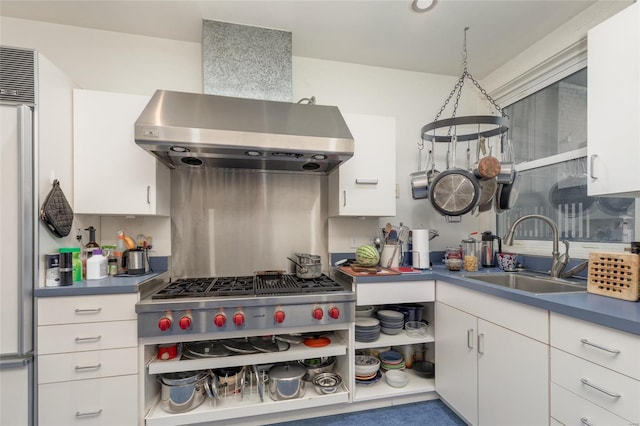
column 106, row 402
column 380, row 294
column 489, row 372
column 87, row 360
column 596, row 369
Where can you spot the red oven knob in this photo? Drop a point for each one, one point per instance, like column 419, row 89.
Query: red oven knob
column 164, row 323
column 279, row 316
column 185, row 322
column 334, row 313
column 238, row 319
column 318, row 314
column 219, row 320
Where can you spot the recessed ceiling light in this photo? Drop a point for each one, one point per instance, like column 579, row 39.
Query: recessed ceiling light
column 421, row 6
column 253, row 153
column 319, row 157
column 179, row 149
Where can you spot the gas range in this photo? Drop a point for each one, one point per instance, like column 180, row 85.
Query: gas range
column 189, row 307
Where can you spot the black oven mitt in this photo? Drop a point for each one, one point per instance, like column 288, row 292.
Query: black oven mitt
column 56, row 212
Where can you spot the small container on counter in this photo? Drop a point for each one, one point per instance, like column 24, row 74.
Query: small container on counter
column 52, row 270
column 97, row 266
column 66, row 266
column 470, row 254
column 453, row 258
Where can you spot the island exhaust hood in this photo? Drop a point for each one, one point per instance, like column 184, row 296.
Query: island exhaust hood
column 197, row 130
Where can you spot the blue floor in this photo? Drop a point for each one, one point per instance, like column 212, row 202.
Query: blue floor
column 433, row 413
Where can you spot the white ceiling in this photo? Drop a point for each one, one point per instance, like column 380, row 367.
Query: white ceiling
column 375, row 32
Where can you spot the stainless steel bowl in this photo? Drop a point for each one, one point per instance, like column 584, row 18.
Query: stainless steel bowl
column 326, row 383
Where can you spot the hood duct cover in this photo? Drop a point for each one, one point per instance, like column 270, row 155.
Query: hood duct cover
column 190, row 130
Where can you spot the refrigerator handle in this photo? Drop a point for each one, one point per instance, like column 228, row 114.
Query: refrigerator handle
column 28, row 244
column 18, row 362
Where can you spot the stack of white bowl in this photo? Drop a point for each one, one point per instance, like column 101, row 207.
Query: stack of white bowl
column 391, row 322
column 367, row 329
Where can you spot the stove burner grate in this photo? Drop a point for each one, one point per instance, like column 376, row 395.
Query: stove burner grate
column 259, row 285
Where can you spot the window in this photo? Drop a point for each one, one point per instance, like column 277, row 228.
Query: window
column 549, row 135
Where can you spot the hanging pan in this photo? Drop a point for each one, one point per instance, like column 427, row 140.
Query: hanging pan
column 455, row 191
column 487, row 167
column 420, row 180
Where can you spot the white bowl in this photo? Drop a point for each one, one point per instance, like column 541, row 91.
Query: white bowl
column 366, row 365
column 396, row 378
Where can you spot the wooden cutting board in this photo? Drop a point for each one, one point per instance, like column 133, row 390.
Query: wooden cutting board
column 367, row 272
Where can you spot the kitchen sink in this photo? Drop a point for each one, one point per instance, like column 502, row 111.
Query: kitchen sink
column 536, row 284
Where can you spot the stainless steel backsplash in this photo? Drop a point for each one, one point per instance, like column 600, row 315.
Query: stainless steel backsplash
column 235, row 222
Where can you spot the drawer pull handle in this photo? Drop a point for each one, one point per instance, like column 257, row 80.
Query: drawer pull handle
column 591, row 175
column 611, row 351
column 585, row 421
column 89, row 413
column 88, row 367
column 366, row 181
column 88, row 311
column 88, row 339
column 470, row 338
column 598, row 388
column 481, row 343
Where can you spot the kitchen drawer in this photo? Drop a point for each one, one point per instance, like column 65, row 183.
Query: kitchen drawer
column 395, row 292
column 611, row 348
column 568, row 371
column 53, row 339
column 572, row 410
column 524, row 319
column 97, row 402
column 78, row 309
column 87, row 365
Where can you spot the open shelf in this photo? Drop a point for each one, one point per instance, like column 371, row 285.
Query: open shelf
column 295, row 352
column 396, row 340
column 381, row 389
column 234, row 407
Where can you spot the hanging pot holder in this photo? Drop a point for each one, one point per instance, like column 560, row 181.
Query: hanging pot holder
column 56, row 212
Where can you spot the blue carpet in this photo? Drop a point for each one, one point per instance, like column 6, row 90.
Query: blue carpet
column 433, row 413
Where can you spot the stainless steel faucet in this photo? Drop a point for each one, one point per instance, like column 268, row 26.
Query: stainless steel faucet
column 559, row 262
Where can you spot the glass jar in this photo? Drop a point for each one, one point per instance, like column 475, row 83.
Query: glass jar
column 453, row 258
column 470, row 253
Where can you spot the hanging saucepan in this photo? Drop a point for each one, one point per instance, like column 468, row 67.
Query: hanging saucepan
column 507, row 167
column 488, row 189
column 487, row 167
column 420, row 180
column 455, row 191
column 509, row 192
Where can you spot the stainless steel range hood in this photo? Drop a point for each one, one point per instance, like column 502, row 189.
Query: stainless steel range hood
column 191, row 130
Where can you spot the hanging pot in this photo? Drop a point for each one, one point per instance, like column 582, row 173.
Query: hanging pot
column 455, row 191
column 420, row 180
column 488, row 190
column 509, row 193
column 560, row 195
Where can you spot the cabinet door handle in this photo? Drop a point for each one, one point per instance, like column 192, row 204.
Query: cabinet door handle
column 593, row 157
column 148, row 194
column 598, row 388
column 470, row 338
column 611, row 351
column 585, row 421
column 88, row 311
column 366, row 181
column 481, row 343
column 88, row 339
column 344, row 198
column 89, row 413
column 88, row 367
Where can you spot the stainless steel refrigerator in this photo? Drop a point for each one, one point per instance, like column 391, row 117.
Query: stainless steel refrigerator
column 17, row 235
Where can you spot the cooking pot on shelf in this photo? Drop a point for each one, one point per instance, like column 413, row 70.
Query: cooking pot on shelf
column 183, row 391
column 308, row 265
column 286, row 381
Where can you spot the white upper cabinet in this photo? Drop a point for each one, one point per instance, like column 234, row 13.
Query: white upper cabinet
column 614, row 105
column 112, row 175
column 365, row 185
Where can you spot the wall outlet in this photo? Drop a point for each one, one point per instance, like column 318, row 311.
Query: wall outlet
column 354, row 242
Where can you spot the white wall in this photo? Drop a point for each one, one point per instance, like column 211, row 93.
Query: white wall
column 128, row 63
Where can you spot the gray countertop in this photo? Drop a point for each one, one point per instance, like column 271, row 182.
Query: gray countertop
column 109, row 285
column 615, row 313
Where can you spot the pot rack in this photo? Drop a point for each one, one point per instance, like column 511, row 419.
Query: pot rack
column 482, row 126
